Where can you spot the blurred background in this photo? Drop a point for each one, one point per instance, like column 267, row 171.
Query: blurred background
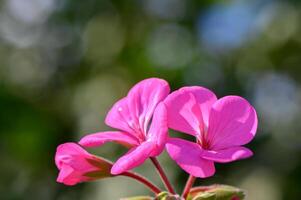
column 63, row 63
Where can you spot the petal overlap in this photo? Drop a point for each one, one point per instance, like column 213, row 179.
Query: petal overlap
column 143, row 99
column 133, row 113
column 188, row 156
column 135, row 157
column 188, row 109
column 158, row 131
column 227, row 155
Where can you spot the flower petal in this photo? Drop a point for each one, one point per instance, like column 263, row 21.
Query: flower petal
column 188, row 109
column 73, row 162
column 144, row 97
column 119, row 117
column 158, row 131
column 68, row 176
column 67, row 152
column 98, row 139
column 133, row 113
column 232, row 122
column 205, row 98
column 188, row 156
column 135, row 157
column 228, row 155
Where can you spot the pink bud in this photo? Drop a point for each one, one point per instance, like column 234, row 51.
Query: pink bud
column 77, row 165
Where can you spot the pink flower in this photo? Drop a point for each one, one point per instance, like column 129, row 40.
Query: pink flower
column 132, row 115
column 220, row 127
column 77, row 165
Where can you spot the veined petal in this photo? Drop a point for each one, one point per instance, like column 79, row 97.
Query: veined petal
column 133, row 113
column 205, row 99
column 188, row 156
column 158, row 131
column 135, row 157
column 232, row 122
column 143, row 99
column 188, row 109
column 98, row 139
column 119, row 117
column 227, row 155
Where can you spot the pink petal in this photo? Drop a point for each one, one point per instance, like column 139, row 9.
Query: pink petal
column 98, row 139
column 188, row 109
column 143, row 99
column 233, row 122
column 119, row 117
column 133, row 113
column 227, row 155
column 68, row 176
column 133, row 158
column 65, row 153
column 188, row 156
column 205, row 99
column 158, row 132
column 72, row 162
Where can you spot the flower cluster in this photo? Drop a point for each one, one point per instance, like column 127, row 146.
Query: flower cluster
column 220, row 127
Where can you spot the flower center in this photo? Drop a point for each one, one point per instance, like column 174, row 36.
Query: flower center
column 204, row 144
column 141, row 135
column 202, row 141
column 138, row 131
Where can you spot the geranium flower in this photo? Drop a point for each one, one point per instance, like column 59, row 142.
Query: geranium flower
column 77, row 165
column 220, row 127
column 132, row 116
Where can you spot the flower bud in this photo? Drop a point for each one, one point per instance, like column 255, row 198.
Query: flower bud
column 167, row 196
column 216, row 192
column 138, row 198
column 77, row 165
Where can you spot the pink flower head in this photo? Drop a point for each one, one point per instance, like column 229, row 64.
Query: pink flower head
column 77, row 165
column 220, row 127
column 132, row 115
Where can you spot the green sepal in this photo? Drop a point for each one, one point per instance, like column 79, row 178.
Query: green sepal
column 138, row 198
column 104, row 168
column 167, row 196
column 205, row 196
column 216, row 192
column 100, row 162
column 99, row 174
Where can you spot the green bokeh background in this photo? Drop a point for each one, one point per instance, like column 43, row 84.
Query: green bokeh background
column 63, row 63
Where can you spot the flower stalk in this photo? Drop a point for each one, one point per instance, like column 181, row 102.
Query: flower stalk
column 163, row 175
column 189, row 183
column 143, row 180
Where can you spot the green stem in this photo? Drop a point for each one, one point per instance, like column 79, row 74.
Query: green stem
column 143, row 180
column 189, row 183
column 162, row 175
